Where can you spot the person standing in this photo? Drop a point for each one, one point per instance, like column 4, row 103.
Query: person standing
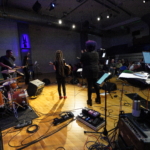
column 7, row 63
column 59, row 67
column 26, row 68
column 90, row 61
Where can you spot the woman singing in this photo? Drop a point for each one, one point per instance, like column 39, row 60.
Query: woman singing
column 90, row 60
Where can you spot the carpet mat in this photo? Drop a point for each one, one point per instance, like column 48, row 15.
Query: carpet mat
column 137, row 97
column 8, row 119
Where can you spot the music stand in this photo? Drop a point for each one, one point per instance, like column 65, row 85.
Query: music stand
column 99, row 82
column 80, row 70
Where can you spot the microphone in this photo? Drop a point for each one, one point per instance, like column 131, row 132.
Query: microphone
column 13, row 58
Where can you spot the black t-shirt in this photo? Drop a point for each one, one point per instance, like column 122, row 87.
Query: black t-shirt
column 59, row 74
column 90, row 62
column 7, row 61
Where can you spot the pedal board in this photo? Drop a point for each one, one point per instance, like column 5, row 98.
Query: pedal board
column 65, row 116
column 91, row 118
column 24, row 124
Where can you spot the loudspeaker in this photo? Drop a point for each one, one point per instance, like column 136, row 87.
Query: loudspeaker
column 36, row 7
column 109, row 86
column 46, row 81
column 35, row 87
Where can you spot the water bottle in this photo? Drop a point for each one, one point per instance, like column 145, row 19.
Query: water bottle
column 136, row 108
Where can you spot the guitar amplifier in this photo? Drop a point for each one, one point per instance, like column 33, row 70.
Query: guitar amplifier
column 35, row 87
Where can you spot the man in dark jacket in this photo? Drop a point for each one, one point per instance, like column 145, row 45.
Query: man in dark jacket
column 90, row 61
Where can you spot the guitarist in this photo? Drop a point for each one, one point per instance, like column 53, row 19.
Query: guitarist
column 59, row 67
column 7, row 62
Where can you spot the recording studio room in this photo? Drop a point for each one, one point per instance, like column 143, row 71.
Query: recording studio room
column 75, row 75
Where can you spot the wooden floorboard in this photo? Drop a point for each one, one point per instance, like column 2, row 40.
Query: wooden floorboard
column 71, row 137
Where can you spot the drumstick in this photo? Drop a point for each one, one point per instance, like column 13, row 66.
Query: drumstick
column 18, row 104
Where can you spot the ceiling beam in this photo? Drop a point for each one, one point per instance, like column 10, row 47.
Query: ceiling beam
column 107, row 6
column 74, row 9
column 119, row 7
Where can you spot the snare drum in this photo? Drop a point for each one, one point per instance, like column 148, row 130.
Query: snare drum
column 10, row 84
column 1, row 100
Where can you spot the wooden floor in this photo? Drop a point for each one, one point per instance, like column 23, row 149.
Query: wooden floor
column 69, row 135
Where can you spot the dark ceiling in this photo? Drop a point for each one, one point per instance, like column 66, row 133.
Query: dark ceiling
column 83, row 13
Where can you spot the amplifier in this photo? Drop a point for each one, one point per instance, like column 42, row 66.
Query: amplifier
column 35, row 87
column 133, row 132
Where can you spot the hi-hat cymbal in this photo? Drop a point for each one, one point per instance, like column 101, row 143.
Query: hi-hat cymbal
column 8, row 71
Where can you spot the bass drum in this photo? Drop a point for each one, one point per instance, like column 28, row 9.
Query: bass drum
column 19, row 97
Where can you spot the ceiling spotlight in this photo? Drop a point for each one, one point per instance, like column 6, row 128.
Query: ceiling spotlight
column 52, row 6
column 98, row 18
column 60, row 21
column 73, row 26
column 107, row 16
column 144, row 1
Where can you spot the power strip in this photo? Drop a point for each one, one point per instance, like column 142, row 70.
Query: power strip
column 24, row 124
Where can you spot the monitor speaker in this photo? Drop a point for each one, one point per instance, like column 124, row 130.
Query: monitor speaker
column 35, row 87
column 36, row 7
column 46, row 81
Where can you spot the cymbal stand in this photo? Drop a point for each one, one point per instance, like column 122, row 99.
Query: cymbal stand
column 13, row 103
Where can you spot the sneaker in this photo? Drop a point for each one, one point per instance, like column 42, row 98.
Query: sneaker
column 65, row 97
column 60, row 97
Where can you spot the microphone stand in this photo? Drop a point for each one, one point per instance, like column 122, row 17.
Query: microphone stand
column 105, row 131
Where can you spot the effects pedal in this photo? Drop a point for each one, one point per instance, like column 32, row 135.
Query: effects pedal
column 64, row 116
column 24, row 124
column 91, row 118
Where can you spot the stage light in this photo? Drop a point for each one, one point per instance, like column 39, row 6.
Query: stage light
column 52, row 6
column 60, row 21
column 108, row 16
column 98, row 18
column 144, row 1
column 73, row 26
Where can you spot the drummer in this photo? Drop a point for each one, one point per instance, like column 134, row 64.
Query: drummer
column 7, row 63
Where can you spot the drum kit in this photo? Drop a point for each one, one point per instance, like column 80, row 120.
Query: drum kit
column 11, row 98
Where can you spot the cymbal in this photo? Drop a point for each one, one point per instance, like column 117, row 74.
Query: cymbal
column 9, row 79
column 8, row 71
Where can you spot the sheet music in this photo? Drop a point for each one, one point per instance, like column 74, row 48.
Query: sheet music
column 79, row 70
column 102, row 79
column 130, row 75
